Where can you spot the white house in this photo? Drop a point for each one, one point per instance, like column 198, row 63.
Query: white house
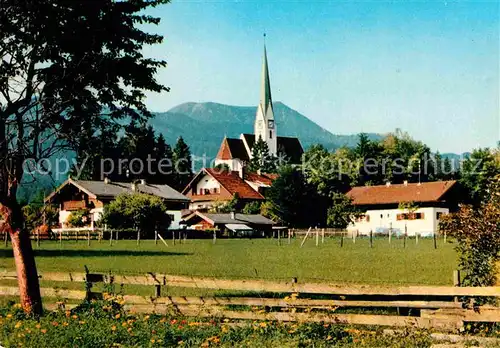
column 74, row 195
column 383, row 207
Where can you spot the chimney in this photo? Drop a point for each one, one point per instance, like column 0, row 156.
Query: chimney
column 388, row 184
column 242, row 171
column 143, row 181
column 133, row 186
column 405, row 182
column 107, row 181
column 233, row 215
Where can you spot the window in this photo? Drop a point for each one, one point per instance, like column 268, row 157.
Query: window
column 201, row 191
column 438, row 215
column 411, row 216
column 207, row 191
column 270, row 134
column 214, row 190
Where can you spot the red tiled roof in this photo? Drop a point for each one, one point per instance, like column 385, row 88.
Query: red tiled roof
column 264, row 178
column 232, row 148
column 395, row 194
column 232, row 182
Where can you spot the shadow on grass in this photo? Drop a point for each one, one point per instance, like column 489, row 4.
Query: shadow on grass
column 95, row 253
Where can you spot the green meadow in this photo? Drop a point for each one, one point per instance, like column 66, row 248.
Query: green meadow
column 384, row 263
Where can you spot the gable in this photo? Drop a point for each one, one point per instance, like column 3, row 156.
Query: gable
column 232, row 148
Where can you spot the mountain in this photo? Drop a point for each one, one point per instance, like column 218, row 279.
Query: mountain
column 204, row 125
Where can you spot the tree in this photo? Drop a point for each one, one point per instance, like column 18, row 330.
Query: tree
column 164, row 158
column 292, row 199
column 224, row 207
column 138, row 211
column 183, row 170
column 252, row 208
column 477, row 230
column 66, row 68
column 342, row 212
column 261, row 159
column 477, row 170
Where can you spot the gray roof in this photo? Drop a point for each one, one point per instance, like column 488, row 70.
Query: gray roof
column 256, row 219
column 111, row 190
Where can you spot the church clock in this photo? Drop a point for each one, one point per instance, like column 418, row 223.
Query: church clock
column 270, row 124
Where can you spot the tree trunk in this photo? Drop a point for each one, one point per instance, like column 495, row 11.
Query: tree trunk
column 27, row 276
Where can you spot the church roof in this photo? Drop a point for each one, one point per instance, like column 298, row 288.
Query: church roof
column 291, row 147
column 232, row 148
column 265, row 96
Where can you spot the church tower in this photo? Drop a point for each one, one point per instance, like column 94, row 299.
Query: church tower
column 265, row 126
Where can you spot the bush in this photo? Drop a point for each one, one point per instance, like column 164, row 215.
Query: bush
column 79, row 218
column 477, row 230
column 141, row 211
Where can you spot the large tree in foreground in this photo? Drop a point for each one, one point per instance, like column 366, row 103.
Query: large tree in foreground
column 67, row 69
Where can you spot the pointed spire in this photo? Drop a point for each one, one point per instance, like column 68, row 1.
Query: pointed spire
column 265, row 92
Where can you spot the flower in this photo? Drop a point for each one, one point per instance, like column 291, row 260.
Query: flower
column 18, row 325
column 55, row 323
column 74, row 316
column 113, row 328
column 124, row 324
column 65, row 323
column 263, row 324
column 117, row 316
column 152, row 340
column 43, row 331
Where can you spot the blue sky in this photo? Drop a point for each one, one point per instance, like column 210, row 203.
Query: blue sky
column 430, row 67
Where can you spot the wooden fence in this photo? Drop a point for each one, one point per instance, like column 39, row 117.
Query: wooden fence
column 429, row 306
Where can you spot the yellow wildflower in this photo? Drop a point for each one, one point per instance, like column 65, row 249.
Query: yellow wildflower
column 113, row 328
column 263, row 324
column 43, row 331
column 9, row 315
column 117, row 316
column 152, row 340
column 38, row 326
column 18, row 325
column 124, row 324
column 65, row 323
column 74, row 316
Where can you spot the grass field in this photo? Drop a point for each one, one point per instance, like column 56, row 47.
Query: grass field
column 259, row 258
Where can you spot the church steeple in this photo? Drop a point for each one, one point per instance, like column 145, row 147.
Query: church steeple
column 265, row 92
column 265, row 126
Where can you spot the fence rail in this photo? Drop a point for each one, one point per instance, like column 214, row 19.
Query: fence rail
column 431, row 306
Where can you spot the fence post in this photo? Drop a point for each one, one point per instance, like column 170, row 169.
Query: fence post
column 215, row 236
column 456, row 281
column 173, row 237
column 88, row 238
column 157, row 292
column 317, row 236
column 390, row 232
column 416, row 238
column 434, row 237
column 405, row 236
column 60, row 238
column 111, row 237
column 444, row 237
column 289, row 236
column 279, row 237
column 371, row 238
column 354, row 234
column 342, row 239
column 156, row 237
column 138, row 236
column 323, row 236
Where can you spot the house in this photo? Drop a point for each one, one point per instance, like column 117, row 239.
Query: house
column 232, row 224
column 236, row 152
column 385, row 207
column 212, row 186
column 74, row 195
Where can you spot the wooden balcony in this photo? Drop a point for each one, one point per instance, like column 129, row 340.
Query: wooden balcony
column 73, row 205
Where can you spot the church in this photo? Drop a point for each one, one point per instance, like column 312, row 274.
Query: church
column 237, row 152
column 212, row 187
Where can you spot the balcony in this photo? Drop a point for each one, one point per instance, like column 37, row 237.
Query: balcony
column 73, row 205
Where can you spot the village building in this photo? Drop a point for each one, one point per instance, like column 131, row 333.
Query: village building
column 237, row 152
column 411, row 208
column 232, row 224
column 74, row 195
column 215, row 186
